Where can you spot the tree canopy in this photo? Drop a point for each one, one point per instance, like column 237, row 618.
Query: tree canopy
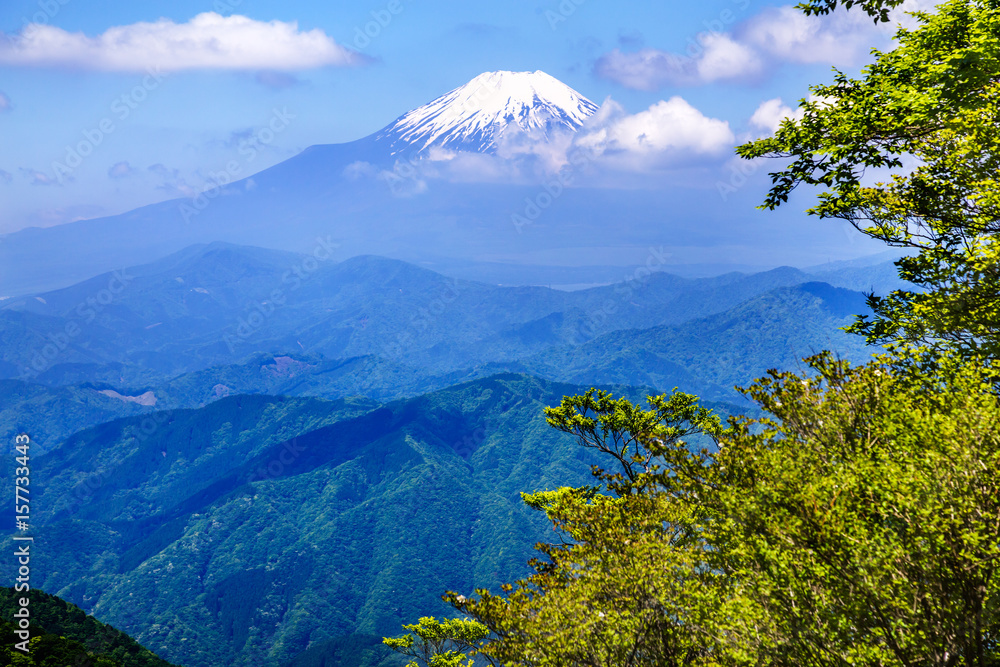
column 877, row 9
column 856, row 523
column 908, row 154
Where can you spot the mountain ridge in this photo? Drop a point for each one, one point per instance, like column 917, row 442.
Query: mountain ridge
column 219, row 304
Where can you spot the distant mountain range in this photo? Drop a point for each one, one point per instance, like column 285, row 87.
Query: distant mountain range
column 472, row 181
column 257, row 457
column 219, row 320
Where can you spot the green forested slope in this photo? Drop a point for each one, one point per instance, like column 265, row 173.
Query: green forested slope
column 51, row 414
column 711, row 356
column 62, row 635
column 350, row 529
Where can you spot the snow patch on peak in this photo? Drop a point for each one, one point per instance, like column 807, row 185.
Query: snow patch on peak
column 474, row 116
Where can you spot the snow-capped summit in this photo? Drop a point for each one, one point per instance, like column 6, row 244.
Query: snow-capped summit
column 472, row 117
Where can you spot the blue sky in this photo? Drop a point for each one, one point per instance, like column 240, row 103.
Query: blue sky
column 159, row 120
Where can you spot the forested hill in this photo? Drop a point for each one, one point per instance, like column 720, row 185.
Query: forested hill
column 256, row 528
column 62, row 635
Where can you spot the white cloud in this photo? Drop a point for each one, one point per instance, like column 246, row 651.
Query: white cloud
column 726, row 58
column 774, row 36
column 786, row 34
column 770, row 113
column 670, row 135
column 359, row 170
column 719, row 58
column 208, row 41
column 647, row 69
column 670, row 128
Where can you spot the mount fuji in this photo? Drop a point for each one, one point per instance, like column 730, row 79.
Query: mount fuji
column 474, row 117
column 379, row 195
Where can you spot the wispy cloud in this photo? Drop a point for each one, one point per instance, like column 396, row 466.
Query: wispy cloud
column 36, row 177
column 121, row 170
column 172, row 182
column 6, row 176
column 5, row 104
column 277, row 80
column 632, row 39
column 755, row 47
column 47, row 217
column 208, row 41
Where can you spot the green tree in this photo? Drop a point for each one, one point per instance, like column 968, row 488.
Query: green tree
column 877, row 9
column 434, row 643
column 630, row 581
column 864, row 513
column 856, row 523
column 923, row 118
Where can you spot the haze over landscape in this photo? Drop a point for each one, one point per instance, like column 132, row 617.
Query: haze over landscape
column 285, row 289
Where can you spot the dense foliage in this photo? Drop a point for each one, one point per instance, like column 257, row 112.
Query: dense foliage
column 866, row 514
column 857, row 523
column 923, row 117
column 62, row 635
column 52, row 414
